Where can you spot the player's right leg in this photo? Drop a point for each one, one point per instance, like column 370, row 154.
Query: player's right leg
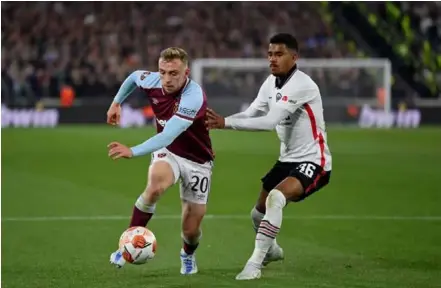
column 163, row 173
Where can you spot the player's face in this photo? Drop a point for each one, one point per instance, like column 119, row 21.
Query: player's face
column 281, row 59
column 173, row 74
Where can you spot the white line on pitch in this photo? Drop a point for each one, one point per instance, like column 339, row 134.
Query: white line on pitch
column 220, row 217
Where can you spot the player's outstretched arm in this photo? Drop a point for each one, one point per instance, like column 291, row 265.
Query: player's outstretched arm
column 267, row 122
column 248, row 113
column 283, row 108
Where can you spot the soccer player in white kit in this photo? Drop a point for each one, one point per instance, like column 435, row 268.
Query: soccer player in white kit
column 290, row 102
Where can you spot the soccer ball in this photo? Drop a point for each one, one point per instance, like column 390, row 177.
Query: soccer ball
column 138, row 245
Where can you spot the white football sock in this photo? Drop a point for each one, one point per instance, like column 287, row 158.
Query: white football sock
column 145, row 207
column 192, row 240
column 256, row 218
column 269, row 226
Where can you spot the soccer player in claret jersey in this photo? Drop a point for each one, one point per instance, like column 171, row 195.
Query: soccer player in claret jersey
column 291, row 103
column 181, row 150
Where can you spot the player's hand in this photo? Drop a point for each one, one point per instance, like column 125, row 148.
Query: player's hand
column 118, row 150
column 214, row 120
column 114, row 114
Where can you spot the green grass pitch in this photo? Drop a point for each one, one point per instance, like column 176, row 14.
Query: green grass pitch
column 377, row 224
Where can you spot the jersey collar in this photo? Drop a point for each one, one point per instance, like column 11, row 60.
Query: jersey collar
column 280, row 81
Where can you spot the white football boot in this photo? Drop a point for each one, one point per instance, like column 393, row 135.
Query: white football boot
column 188, row 263
column 250, row 272
column 275, row 253
column 117, row 259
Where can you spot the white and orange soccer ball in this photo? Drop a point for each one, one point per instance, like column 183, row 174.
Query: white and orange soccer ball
column 137, row 245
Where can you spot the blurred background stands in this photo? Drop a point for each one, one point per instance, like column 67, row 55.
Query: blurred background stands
column 93, row 46
column 88, row 48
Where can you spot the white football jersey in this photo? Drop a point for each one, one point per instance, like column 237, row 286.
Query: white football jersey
column 303, row 133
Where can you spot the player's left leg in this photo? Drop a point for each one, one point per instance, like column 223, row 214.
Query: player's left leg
column 275, row 252
column 194, row 188
column 275, row 175
column 294, row 188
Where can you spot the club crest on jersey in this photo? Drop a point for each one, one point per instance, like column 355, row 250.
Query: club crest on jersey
column 155, row 101
column 144, row 75
column 280, row 97
column 175, row 108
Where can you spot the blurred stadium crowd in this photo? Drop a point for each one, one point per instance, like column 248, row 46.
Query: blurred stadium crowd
column 90, row 47
column 413, row 30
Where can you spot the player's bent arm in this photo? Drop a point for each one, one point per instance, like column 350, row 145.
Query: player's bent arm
column 267, row 122
column 126, row 88
column 136, row 78
column 173, row 128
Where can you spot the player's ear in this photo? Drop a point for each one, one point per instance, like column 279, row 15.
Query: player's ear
column 294, row 55
column 187, row 72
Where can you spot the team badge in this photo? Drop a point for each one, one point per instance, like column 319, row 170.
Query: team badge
column 144, row 75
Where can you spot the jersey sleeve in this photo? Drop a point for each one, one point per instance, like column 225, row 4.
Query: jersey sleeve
column 174, row 127
column 145, row 79
column 192, row 100
column 248, row 113
column 268, row 122
column 291, row 101
column 261, row 101
column 140, row 78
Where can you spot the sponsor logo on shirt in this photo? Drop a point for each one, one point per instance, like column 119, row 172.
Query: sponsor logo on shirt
column 187, row 112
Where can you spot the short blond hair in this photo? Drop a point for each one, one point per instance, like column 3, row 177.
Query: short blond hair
column 172, row 53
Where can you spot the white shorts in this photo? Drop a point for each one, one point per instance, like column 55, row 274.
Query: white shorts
column 195, row 178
